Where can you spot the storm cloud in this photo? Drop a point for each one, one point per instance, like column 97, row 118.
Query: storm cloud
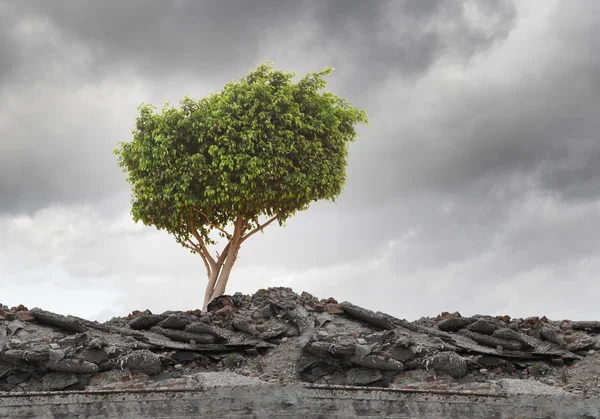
column 475, row 186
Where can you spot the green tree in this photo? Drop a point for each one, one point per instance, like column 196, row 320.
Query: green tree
column 234, row 162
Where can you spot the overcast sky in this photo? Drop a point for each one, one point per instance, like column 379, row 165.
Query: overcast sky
column 475, row 188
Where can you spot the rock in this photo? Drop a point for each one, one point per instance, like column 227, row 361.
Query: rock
column 145, row 322
column 69, row 323
column 453, row 324
column 527, row 341
column 13, row 356
column 7, row 314
column 273, row 331
column 143, row 361
column 177, row 322
column 243, row 326
column 491, row 341
column 183, row 336
column 402, row 353
column 375, row 319
column 14, row 326
column 95, row 356
column 334, row 309
column 552, row 335
column 58, row 381
column 72, row 366
column 55, row 355
column 363, row 376
column 582, row 343
column 448, row 363
column 25, row 316
column 591, row 326
column 330, row 349
column 378, row 362
column 487, row 327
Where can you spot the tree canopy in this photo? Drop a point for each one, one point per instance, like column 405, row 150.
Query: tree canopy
column 263, row 147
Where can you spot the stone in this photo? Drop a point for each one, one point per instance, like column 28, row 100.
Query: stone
column 591, row 326
column 453, row 324
column 334, row 309
column 363, row 376
column 220, row 302
column 58, row 381
column 487, row 327
column 552, row 335
column 14, row 326
column 378, row 362
column 56, row 355
column 527, row 341
column 145, row 322
column 402, row 353
column 177, row 322
column 491, row 341
column 7, row 314
column 449, row 363
column 95, row 356
column 243, row 326
column 13, row 356
column 273, row 331
column 367, row 316
column 582, row 343
column 74, row 366
column 25, row 316
column 183, row 336
column 143, row 361
column 330, row 349
column 69, row 323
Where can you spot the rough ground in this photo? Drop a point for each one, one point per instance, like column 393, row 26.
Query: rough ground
column 281, row 337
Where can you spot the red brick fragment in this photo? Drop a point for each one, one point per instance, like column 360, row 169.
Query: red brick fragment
column 334, row 309
column 25, row 316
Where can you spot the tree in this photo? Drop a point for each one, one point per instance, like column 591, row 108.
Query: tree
column 236, row 161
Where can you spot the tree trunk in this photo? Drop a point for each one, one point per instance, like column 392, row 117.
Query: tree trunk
column 220, row 270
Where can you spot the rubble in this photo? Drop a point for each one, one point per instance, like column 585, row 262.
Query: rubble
column 279, row 336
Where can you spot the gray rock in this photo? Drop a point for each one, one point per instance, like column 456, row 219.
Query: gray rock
column 402, row 353
column 14, row 326
column 487, row 327
column 491, row 341
column 14, row 356
column 592, row 326
column 527, row 341
column 582, row 343
column 57, row 381
column 274, row 330
column 69, row 323
column 453, row 324
column 330, row 349
column 378, row 362
column 375, row 319
column 95, row 356
column 243, row 326
column 363, row 376
column 143, row 361
column 552, row 335
column 178, row 322
column 145, row 322
column 363, row 350
column 55, row 355
column 448, row 363
column 183, row 336
column 75, row 366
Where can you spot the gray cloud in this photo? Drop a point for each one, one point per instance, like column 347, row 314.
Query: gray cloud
column 475, row 187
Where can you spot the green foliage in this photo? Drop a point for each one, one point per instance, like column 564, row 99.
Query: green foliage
column 263, row 146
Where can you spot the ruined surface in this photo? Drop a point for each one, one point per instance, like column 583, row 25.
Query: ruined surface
column 278, row 336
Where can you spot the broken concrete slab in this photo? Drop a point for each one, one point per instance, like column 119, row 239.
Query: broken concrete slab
column 69, row 323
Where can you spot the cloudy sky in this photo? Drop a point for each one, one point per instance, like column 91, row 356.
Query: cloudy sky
column 475, row 188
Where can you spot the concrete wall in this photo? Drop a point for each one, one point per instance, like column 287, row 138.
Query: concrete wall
column 291, row 402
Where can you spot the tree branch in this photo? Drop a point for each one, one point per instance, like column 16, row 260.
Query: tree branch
column 259, row 228
column 213, row 225
column 201, row 253
column 203, row 247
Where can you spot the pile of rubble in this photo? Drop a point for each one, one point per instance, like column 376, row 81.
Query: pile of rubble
column 279, row 336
